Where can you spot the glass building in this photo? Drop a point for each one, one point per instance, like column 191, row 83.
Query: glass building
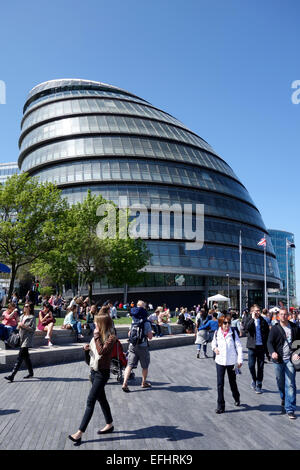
column 84, row 135
column 279, row 240
column 7, row 170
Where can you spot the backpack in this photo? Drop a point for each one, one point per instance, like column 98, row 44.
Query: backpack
column 137, row 335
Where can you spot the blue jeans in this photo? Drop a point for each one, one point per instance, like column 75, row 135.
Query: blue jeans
column 97, row 393
column 286, row 382
column 77, row 327
column 256, row 356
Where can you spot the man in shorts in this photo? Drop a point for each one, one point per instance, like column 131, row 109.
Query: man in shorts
column 139, row 352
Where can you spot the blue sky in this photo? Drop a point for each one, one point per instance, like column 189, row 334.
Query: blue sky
column 224, row 68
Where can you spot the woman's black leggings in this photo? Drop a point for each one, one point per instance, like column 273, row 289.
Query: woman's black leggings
column 97, row 392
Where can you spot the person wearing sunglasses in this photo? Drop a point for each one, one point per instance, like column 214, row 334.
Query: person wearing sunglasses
column 228, row 350
column 26, row 328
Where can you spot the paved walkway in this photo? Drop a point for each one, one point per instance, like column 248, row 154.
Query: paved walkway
column 176, row 414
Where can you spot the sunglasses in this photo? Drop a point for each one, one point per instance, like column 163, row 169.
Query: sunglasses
column 226, row 322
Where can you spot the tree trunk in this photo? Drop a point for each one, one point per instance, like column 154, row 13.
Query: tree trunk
column 14, row 270
column 90, row 289
column 125, row 294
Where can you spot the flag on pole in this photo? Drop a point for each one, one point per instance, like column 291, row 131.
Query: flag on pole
column 262, row 242
column 290, row 244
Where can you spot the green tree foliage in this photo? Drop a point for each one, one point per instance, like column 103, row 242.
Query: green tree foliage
column 79, row 249
column 126, row 258
column 29, row 214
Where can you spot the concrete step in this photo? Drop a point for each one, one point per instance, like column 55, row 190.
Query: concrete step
column 64, row 337
column 57, row 354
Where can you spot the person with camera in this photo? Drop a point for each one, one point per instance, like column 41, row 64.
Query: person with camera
column 281, row 337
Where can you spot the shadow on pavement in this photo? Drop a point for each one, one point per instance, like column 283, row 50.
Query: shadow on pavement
column 7, row 412
column 171, row 433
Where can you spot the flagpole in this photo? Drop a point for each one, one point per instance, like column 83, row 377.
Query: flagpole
column 265, row 273
column 240, row 250
column 287, row 275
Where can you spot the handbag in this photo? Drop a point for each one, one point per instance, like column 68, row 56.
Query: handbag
column 14, row 340
column 94, row 356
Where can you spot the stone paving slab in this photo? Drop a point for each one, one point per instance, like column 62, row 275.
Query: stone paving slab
column 176, row 414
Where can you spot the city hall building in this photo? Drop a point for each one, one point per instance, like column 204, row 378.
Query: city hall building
column 83, row 135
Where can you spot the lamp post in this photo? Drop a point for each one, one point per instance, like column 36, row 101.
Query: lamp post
column 287, row 245
column 228, row 295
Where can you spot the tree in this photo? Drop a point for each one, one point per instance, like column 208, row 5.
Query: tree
column 126, row 258
column 81, row 250
column 29, row 214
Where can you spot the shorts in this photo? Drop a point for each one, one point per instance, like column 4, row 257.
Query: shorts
column 138, row 353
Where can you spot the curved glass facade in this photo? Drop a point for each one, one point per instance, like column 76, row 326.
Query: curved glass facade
column 85, row 135
column 123, row 146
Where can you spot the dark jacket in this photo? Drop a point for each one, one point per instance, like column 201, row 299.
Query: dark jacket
column 277, row 339
column 139, row 313
column 250, row 330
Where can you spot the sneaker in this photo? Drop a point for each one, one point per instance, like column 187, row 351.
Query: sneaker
column 237, row 403
column 291, row 415
column 49, row 343
column 253, row 385
column 258, row 389
column 198, row 355
column 80, row 336
column 47, row 337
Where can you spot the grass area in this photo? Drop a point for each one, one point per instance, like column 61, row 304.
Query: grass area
column 119, row 321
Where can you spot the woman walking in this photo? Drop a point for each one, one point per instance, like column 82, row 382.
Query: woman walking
column 100, row 350
column 26, row 328
column 228, row 349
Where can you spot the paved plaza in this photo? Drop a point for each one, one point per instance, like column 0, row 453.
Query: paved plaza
column 178, row 413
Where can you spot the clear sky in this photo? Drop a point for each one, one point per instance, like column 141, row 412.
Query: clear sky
column 224, row 68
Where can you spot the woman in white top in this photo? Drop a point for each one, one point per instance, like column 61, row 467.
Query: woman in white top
column 229, row 351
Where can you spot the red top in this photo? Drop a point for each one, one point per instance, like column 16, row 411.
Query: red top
column 10, row 321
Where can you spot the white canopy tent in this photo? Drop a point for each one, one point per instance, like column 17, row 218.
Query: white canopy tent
column 218, row 298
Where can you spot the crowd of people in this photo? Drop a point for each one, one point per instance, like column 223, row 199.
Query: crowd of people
column 272, row 335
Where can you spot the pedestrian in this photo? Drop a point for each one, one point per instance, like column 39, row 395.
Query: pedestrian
column 113, row 311
column 228, row 349
column 140, row 350
column 280, row 347
column 257, row 331
column 211, row 326
column 26, row 327
column 202, row 335
column 99, row 357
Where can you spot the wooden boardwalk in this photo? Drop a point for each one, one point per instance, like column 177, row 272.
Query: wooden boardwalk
column 176, row 414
